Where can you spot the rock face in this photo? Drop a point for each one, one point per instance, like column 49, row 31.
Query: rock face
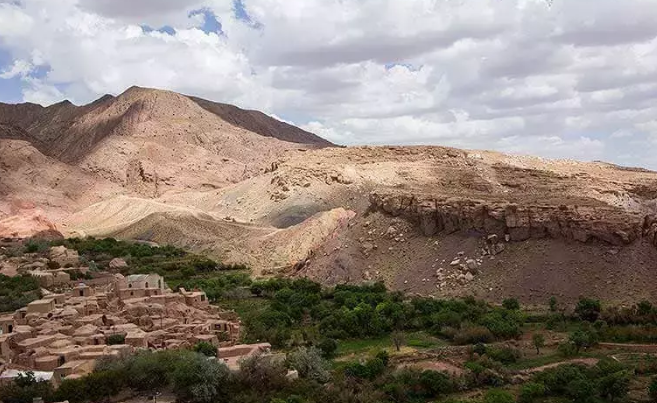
column 117, row 263
column 64, row 256
column 518, row 223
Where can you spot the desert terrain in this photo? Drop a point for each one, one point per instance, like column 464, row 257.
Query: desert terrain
column 243, row 187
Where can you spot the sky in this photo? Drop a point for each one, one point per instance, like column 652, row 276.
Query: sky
column 559, row 79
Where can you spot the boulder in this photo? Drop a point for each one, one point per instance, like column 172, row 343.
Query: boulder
column 64, row 256
column 117, row 264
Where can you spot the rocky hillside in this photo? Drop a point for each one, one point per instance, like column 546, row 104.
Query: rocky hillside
column 168, row 168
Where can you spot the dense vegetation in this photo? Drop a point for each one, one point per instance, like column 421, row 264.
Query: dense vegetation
column 339, row 340
column 297, row 311
column 16, row 292
column 143, row 258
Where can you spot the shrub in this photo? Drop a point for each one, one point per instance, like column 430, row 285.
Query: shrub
column 498, row 396
column 206, row 349
column 505, row 355
column 511, row 304
column 369, row 370
column 473, row 335
column 328, row 347
column 36, row 245
column 24, row 389
column 503, row 324
column 53, row 265
column 553, row 304
column 615, row 385
column 652, row 389
column 479, row 348
column 309, row 363
column 436, row 383
column 149, row 372
column 260, row 373
column 196, row 379
column 530, row 392
column 116, row 339
column 567, row 349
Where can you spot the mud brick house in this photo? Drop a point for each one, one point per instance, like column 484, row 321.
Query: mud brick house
column 65, row 333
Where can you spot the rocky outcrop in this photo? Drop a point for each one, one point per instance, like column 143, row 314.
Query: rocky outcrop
column 516, row 222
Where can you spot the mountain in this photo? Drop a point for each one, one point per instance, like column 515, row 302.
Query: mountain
column 258, row 122
column 245, row 188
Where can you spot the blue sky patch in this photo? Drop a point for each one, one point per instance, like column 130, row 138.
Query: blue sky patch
column 165, row 29
column 239, row 9
column 210, row 21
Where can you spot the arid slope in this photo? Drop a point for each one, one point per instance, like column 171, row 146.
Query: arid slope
column 167, row 168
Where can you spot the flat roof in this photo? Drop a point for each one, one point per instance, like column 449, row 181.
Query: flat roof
column 41, row 302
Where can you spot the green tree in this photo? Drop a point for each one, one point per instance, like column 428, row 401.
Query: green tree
column 614, row 386
column 206, row 349
column 309, row 363
column 582, row 339
column 588, row 309
column 538, row 339
column 581, row 390
column 196, row 379
column 115, row 339
column 328, row 347
column 398, row 339
column 25, row 388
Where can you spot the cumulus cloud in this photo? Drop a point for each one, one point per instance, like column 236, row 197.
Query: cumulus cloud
column 562, row 78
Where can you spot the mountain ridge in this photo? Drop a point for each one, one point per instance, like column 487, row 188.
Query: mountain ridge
column 167, row 168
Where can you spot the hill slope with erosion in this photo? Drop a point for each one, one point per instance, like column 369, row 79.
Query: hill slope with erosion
column 431, row 220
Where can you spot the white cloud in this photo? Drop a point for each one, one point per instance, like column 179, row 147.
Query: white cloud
column 577, row 79
column 19, row 68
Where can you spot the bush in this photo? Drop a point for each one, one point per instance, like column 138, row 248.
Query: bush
column 652, row 389
column 567, row 349
column 615, row 385
column 53, row 265
column 498, row 396
column 196, row 379
column 473, row 335
column 310, row 364
column 36, row 246
column 505, row 355
column 260, row 373
column 369, row 370
column 511, row 304
column 149, row 372
column 24, row 389
column 553, row 304
column 206, row 349
column 328, row 347
column 530, row 392
column 116, row 339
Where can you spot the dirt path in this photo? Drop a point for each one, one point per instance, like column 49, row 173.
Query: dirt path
column 586, row 361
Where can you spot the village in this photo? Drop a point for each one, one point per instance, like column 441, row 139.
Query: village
column 76, row 323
